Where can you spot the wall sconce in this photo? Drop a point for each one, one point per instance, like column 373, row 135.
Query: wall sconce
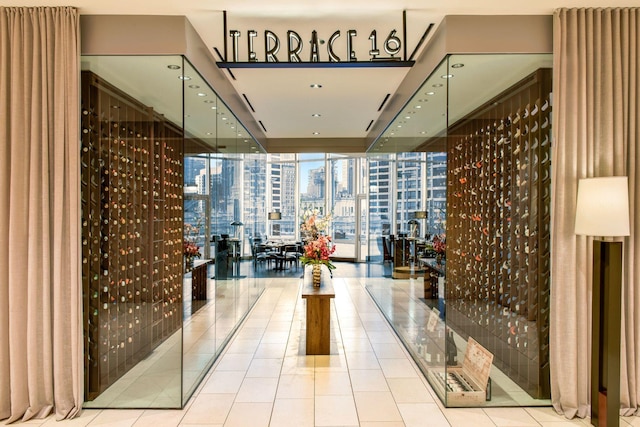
column 602, row 210
column 275, row 215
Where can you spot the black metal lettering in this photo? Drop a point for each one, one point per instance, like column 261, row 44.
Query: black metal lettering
column 271, row 52
column 350, row 52
column 294, row 53
column 315, row 55
column 234, row 34
column 250, row 36
column 332, row 56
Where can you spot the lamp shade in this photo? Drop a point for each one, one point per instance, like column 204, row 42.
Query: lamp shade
column 420, row 214
column 275, row 215
column 602, row 209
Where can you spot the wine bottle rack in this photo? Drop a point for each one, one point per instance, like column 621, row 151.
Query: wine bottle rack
column 498, row 229
column 131, row 197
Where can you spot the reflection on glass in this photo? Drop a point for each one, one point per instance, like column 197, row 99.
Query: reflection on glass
column 466, row 285
column 166, row 199
column 131, row 193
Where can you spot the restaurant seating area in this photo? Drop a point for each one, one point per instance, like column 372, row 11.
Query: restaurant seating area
column 278, row 255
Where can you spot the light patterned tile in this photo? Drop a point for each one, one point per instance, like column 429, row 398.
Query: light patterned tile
column 264, row 368
column 116, row 418
column 234, row 362
column 299, row 386
column 160, row 418
column 415, row 414
column 332, row 383
column 249, row 414
column 335, row 411
column 512, row 417
column 376, row 406
column 409, row 390
column 459, row 417
column 368, row 380
column 271, row 350
column 293, row 413
column 223, row 382
column 388, row 350
column 362, row 361
column 257, row 390
column 397, row 368
column 209, row 409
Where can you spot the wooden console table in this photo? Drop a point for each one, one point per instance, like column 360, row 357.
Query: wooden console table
column 318, row 311
column 199, row 279
column 432, row 273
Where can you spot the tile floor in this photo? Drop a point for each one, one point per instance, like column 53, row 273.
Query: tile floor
column 264, row 379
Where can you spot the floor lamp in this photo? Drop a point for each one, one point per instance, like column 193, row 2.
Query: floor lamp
column 602, row 210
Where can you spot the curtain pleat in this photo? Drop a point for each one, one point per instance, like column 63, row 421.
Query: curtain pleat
column 41, row 365
column 596, row 115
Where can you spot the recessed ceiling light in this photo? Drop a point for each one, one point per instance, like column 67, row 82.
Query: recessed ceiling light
column 184, row 77
column 407, row 117
column 316, row 133
column 316, row 115
column 437, row 85
column 430, row 93
column 209, row 101
column 209, row 133
column 418, row 106
column 457, row 66
column 202, row 94
column 173, row 67
column 316, row 86
column 399, row 126
column 423, row 100
column 446, row 76
column 233, row 127
column 423, row 132
column 224, row 118
column 392, row 133
column 194, row 86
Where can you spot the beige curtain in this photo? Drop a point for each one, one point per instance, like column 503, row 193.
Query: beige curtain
column 41, row 361
column 596, row 133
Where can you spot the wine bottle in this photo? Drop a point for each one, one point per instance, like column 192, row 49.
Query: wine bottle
column 451, row 349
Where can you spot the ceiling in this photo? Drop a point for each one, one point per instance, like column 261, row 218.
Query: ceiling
column 282, row 99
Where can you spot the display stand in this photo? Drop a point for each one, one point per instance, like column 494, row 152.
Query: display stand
column 318, row 311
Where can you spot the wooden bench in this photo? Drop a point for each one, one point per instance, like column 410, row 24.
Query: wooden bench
column 318, row 311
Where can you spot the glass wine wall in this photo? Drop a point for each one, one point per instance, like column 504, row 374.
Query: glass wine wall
column 131, row 195
column 498, row 230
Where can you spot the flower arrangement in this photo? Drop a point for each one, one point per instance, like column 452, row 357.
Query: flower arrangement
column 313, row 226
column 318, row 252
column 318, row 246
column 191, row 250
column 440, row 243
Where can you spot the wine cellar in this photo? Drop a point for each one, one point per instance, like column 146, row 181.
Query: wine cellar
column 131, row 195
column 498, row 230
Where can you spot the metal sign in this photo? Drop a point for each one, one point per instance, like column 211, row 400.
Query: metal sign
column 270, row 49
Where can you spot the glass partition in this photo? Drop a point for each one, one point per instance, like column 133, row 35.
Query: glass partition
column 228, row 169
column 168, row 177
column 468, row 259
